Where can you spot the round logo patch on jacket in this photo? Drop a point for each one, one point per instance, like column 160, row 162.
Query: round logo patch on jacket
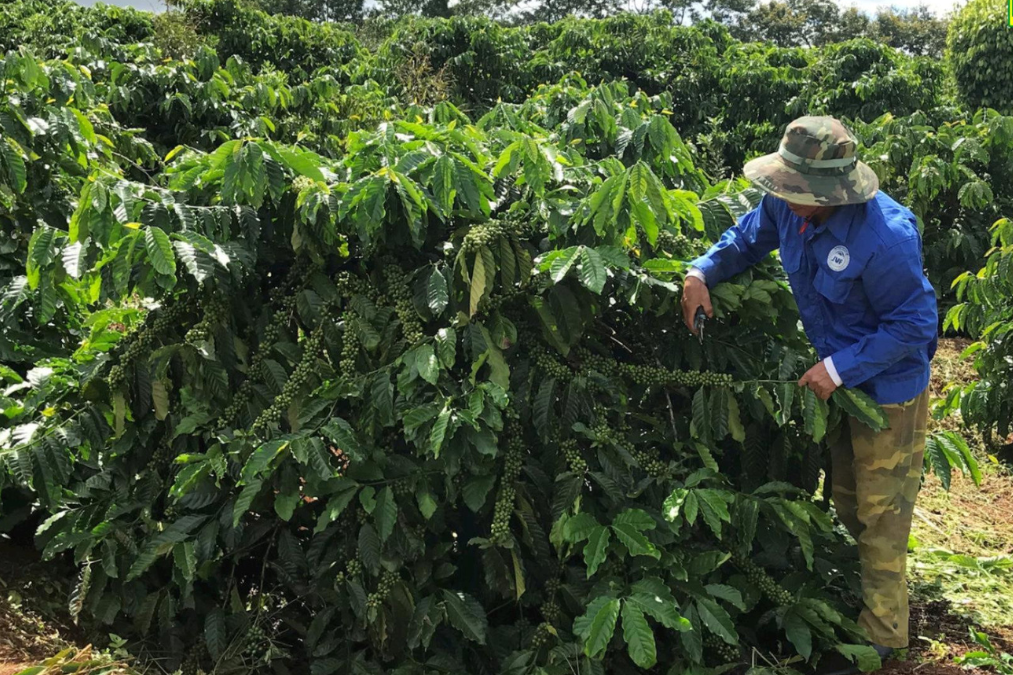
column 839, row 258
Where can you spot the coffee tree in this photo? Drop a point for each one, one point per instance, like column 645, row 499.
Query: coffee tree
column 426, row 406
column 986, row 314
column 977, row 48
column 302, row 376
column 953, row 173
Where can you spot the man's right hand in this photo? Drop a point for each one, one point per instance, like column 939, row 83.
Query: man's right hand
column 695, row 294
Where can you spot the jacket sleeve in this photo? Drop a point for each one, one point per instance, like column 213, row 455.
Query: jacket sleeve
column 904, row 300
column 742, row 245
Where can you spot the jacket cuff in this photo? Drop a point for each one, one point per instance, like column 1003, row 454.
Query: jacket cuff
column 832, row 371
column 702, row 268
column 697, row 273
column 848, row 368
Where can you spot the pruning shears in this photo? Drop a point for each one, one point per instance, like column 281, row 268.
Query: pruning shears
column 699, row 321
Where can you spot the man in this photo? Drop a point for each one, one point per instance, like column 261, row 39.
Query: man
column 853, row 259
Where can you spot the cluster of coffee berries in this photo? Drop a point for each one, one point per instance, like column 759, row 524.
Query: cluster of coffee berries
column 493, row 302
column 483, row 235
column 571, row 451
column 501, row 514
column 402, row 296
column 353, row 568
column 349, row 346
column 725, row 652
column 295, row 382
column 548, row 366
column 603, row 433
column 168, row 317
column 418, row 532
column 542, row 636
column 513, row 461
column 758, row 577
column 649, row 461
column 240, row 399
column 143, row 340
column 255, row 643
column 163, row 455
column 215, row 311
column 690, row 378
column 303, row 183
column 550, row 608
column 594, row 362
column 647, row 375
column 656, row 375
column 679, row 245
column 296, row 277
column 387, row 583
column 117, row 375
column 348, row 285
column 552, row 587
column 281, row 316
column 402, row 487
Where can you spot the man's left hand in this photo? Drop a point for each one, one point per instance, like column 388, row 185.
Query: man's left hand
column 818, row 379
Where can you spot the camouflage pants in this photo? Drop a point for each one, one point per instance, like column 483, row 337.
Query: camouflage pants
column 876, row 478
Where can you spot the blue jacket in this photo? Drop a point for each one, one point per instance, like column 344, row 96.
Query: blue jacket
column 859, row 284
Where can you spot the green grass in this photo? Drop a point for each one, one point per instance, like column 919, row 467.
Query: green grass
column 962, row 539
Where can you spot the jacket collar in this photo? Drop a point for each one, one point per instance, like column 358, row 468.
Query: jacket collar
column 839, row 222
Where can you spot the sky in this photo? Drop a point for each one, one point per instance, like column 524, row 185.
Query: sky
column 937, row 6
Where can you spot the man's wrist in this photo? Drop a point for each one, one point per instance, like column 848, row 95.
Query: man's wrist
column 832, row 371
column 696, row 273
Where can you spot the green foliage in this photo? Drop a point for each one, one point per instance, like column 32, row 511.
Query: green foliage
column 810, row 23
column 424, row 389
column 48, row 28
column 303, row 375
column 954, row 173
column 986, row 313
column 290, row 43
column 84, row 661
column 986, row 656
column 862, row 79
column 917, row 30
column 945, row 451
column 979, row 47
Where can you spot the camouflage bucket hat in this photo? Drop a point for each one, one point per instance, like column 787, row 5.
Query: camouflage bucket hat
column 816, row 165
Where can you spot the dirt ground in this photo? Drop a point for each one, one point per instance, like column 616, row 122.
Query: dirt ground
column 961, row 563
column 34, row 624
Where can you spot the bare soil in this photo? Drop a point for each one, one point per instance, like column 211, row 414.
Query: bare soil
column 968, row 519
column 34, row 624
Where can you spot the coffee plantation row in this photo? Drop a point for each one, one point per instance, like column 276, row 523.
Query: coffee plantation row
column 306, row 371
column 293, row 81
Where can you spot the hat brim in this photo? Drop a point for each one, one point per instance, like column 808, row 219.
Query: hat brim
column 772, row 174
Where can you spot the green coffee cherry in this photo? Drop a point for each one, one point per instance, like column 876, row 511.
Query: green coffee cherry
column 759, row 578
column 513, row 462
column 402, row 296
column 573, row 457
